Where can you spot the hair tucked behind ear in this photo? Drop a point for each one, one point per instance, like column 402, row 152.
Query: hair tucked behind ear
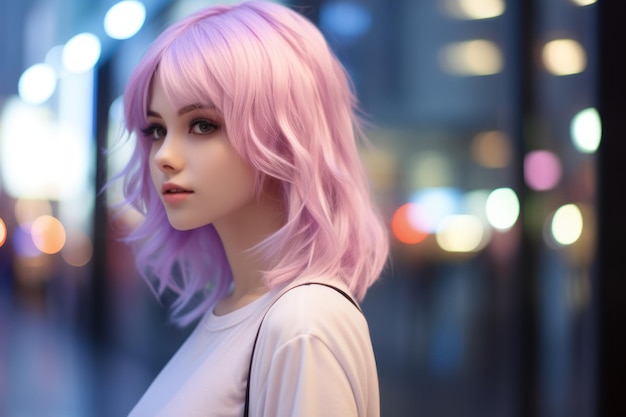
column 289, row 111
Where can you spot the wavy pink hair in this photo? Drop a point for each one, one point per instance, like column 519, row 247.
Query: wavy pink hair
column 289, row 111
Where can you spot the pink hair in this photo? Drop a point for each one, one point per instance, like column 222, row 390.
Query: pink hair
column 289, row 111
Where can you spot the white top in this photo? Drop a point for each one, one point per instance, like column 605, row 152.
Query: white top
column 313, row 358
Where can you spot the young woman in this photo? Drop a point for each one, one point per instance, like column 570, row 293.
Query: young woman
column 247, row 172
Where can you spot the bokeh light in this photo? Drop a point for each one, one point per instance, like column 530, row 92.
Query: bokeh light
column 37, row 84
column 492, row 149
column 434, row 205
column 403, row 228
column 81, row 53
column 567, row 224
column 39, row 157
column 347, row 19
column 586, row 130
column 475, row 9
column 124, row 19
column 542, row 170
column 472, row 58
column 3, row 232
column 502, row 208
column 78, row 248
column 564, row 57
column 460, row 233
column 584, row 2
column 48, row 234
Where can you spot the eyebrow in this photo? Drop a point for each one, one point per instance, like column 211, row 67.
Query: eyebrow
column 183, row 110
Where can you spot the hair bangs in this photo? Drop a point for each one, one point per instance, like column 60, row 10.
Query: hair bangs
column 188, row 76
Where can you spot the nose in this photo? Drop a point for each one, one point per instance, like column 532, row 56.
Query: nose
column 167, row 156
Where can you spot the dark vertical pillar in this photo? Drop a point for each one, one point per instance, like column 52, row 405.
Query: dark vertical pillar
column 611, row 280
column 99, row 296
column 99, row 289
column 524, row 70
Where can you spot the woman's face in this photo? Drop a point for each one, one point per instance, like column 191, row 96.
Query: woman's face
column 198, row 174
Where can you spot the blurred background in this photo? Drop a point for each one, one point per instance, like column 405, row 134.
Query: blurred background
column 496, row 126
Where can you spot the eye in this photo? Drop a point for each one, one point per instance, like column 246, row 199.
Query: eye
column 203, row 127
column 154, row 132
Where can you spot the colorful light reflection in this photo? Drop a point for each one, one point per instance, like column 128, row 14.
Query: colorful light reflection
column 586, row 130
column 502, row 208
column 48, row 234
column 3, row 232
column 542, row 170
column 567, row 224
column 475, row 9
column 492, row 149
column 564, row 57
column 403, row 227
column 434, row 205
column 472, row 58
column 460, row 233
column 81, row 53
column 124, row 19
column 346, row 19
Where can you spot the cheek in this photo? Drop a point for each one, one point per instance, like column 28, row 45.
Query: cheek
column 154, row 171
column 230, row 170
column 247, row 183
column 236, row 180
column 246, row 175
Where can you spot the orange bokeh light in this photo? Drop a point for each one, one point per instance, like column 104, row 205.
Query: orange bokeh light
column 3, row 232
column 402, row 227
column 48, row 234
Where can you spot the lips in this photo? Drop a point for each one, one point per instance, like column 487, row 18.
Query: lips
column 174, row 195
column 174, row 189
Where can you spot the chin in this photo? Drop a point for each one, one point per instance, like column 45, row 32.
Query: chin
column 182, row 225
column 182, row 228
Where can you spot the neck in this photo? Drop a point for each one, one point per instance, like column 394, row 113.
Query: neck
column 239, row 233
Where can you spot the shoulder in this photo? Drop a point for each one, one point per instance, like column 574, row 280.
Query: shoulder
column 314, row 357
column 314, row 310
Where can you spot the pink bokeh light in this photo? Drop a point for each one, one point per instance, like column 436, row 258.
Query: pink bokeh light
column 542, row 170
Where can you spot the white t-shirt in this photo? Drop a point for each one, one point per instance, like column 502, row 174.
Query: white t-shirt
column 313, row 358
